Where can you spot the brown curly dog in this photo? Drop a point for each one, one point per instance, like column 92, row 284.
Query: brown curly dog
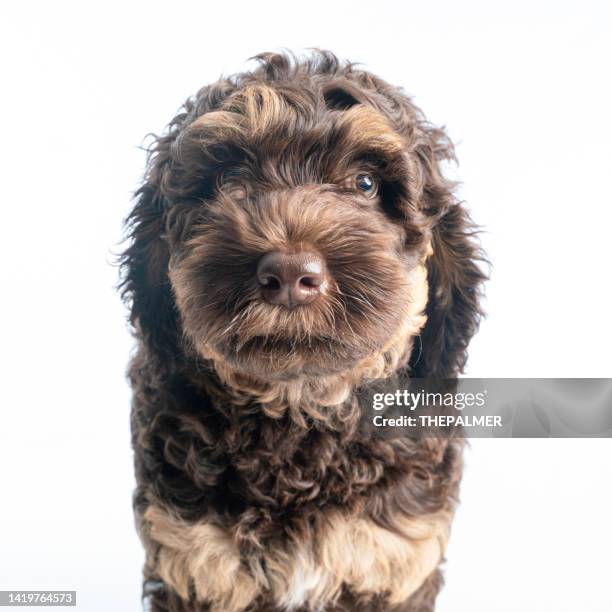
column 294, row 237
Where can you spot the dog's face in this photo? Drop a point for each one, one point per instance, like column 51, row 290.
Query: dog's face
column 294, row 217
column 298, row 261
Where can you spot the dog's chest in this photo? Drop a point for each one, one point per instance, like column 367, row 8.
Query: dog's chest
column 312, row 568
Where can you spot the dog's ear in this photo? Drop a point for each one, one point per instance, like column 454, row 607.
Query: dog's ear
column 455, row 273
column 145, row 285
column 453, row 309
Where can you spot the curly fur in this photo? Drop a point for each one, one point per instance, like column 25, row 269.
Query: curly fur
column 256, row 490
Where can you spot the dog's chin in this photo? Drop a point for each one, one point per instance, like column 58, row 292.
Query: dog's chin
column 274, row 358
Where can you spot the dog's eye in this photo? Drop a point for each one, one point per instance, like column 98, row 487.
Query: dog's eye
column 367, row 184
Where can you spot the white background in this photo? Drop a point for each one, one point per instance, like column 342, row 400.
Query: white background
column 523, row 88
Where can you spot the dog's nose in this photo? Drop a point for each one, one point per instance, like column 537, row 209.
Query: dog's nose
column 291, row 279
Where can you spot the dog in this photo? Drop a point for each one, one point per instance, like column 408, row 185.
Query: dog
column 294, row 237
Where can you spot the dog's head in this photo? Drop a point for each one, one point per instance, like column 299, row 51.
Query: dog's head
column 294, row 221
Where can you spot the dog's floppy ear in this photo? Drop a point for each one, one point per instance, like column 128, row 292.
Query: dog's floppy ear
column 145, row 285
column 455, row 291
column 455, row 275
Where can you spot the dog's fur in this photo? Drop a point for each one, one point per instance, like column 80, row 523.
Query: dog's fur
column 255, row 489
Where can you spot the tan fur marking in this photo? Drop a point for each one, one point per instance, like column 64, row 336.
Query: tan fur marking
column 258, row 110
column 367, row 127
column 203, row 556
column 220, row 124
column 262, row 106
column 347, row 551
column 251, row 113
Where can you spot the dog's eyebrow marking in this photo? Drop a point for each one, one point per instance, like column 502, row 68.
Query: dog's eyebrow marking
column 345, row 551
column 368, row 131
